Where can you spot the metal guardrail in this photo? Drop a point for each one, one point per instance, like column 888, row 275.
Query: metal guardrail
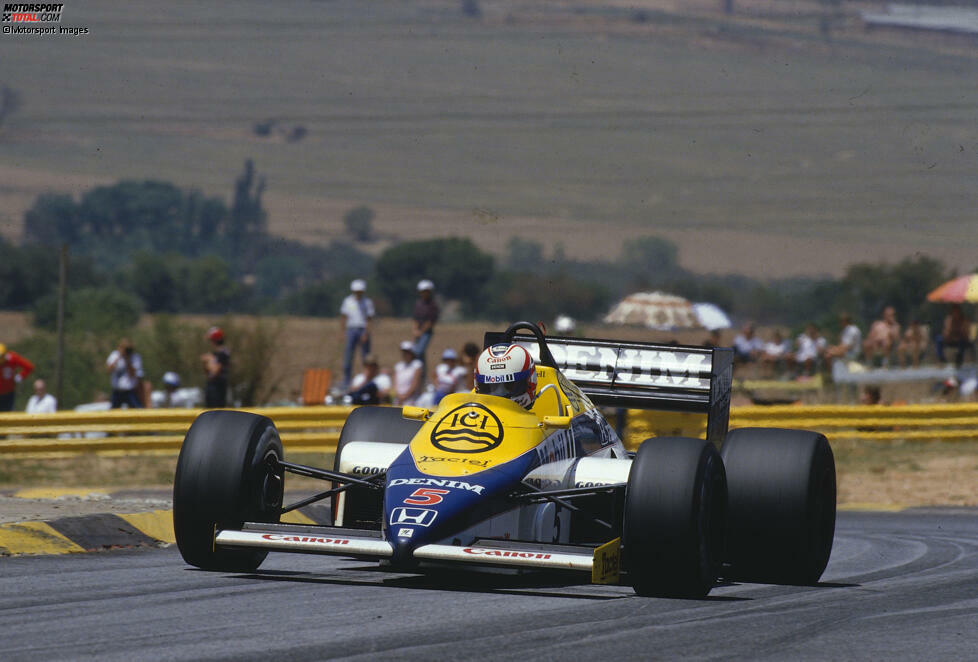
column 310, row 429
column 928, row 422
column 317, row 429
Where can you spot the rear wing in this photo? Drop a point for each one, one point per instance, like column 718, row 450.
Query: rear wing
column 643, row 375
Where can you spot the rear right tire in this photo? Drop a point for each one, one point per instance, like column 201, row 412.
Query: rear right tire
column 781, row 505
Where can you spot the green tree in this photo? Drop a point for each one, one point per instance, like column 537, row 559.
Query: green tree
column 207, row 286
column 650, row 254
column 151, row 278
column 315, row 300
column 247, row 215
column 52, row 220
column 104, row 311
column 524, row 255
column 459, row 270
column 535, row 297
column 359, row 223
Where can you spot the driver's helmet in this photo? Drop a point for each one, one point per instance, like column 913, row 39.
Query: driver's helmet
column 507, row 371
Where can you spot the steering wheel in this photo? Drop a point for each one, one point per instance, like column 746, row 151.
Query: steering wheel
column 546, row 358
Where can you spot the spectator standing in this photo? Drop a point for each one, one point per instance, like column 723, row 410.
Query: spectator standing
column 125, row 368
column 407, row 376
column 41, row 402
column 217, row 367
column 370, row 387
column 448, row 374
column 747, row 347
column 955, row 334
column 850, row 340
column 356, row 312
column 425, row 315
column 883, row 337
column 14, row 368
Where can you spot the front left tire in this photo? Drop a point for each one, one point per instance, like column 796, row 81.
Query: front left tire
column 227, row 474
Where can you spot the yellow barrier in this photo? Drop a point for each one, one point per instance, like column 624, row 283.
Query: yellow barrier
column 931, row 422
column 317, row 429
column 311, row 429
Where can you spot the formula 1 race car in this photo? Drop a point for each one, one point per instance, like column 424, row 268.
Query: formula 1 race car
column 481, row 481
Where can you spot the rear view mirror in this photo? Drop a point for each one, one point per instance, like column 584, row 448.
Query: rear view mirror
column 557, row 422
column 416, row 413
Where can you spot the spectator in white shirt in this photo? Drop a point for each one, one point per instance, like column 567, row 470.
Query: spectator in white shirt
column 810, row 349
column 850, row 341
column 126, row 368
column 41, row 402
column 777, row 353
column 370, row 387
column 407, row 376
column 747, row 347
column 449, row 375
column 356, row 311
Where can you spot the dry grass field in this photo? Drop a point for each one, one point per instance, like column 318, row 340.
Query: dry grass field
column 754, row 142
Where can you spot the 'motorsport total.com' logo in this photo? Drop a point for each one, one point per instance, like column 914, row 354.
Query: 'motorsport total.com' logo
column 29, row 12
column 34, row 18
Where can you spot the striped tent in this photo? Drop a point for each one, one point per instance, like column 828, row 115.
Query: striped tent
column 654, row 310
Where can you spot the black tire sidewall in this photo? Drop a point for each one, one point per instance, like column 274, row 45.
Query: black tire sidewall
column 781, row 505
column 220, row 482
column 673, row 517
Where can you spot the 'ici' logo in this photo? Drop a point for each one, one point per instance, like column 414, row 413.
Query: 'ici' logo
column 470, row 428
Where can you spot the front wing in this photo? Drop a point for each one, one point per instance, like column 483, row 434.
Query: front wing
column 601, row 562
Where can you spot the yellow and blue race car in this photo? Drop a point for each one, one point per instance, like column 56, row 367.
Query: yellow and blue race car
column 483, row 481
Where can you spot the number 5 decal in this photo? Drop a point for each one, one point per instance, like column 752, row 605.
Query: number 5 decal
column 425, row 496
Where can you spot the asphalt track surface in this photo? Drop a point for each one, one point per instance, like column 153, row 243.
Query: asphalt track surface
column 900, row 586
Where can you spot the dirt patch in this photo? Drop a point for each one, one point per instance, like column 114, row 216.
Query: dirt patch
column 910, row 473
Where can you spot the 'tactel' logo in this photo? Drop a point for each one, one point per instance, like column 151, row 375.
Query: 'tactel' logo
column 470, row 428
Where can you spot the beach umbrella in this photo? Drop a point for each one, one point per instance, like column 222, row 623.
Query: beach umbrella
column 711, row 316
column 963, row 289
column 654, row 310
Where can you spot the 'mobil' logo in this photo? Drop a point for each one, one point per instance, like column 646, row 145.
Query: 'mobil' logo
column 470, row 428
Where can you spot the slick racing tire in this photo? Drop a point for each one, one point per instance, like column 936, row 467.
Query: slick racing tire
column 781, row 505
column 378, row 424
column 362, row 507
column 227, row 474
column 672, row 535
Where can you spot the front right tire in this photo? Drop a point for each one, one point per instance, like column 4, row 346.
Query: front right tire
column 675, row 502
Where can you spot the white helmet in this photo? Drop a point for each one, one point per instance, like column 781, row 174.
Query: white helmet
column 507, row 371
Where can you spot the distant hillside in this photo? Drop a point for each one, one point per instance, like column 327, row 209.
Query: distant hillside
column 779, row 140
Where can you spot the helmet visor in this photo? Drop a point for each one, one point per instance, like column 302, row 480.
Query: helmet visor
column 503, row 389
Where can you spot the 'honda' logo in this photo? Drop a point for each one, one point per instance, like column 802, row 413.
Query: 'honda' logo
column 414, row 516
